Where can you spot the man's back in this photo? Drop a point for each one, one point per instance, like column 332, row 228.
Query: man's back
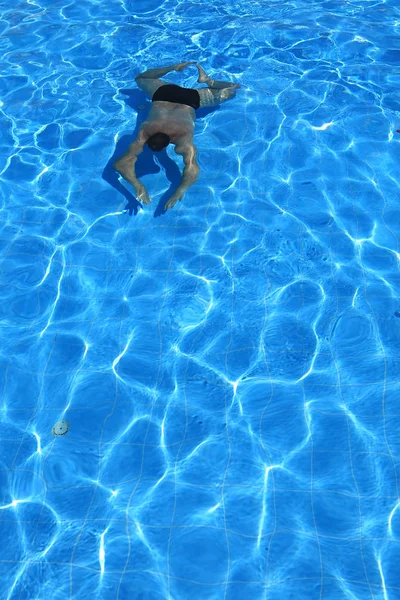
column 176, row 120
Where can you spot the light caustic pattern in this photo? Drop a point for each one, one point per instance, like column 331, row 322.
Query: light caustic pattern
column 229, row 369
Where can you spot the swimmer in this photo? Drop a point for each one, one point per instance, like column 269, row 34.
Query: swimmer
column 171, row 121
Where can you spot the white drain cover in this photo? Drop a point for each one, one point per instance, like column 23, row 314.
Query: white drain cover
column 61, row 428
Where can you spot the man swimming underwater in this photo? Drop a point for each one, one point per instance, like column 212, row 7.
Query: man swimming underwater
column 171, row 121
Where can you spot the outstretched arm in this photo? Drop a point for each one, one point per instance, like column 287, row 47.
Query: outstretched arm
column 126, row 167
column 190, row 173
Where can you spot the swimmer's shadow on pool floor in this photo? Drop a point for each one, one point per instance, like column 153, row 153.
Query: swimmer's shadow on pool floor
column 146, row 163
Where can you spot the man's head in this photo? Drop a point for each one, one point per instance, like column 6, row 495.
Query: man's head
column 158, row 141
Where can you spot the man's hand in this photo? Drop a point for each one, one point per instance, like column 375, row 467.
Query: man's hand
column 181, row 66
column 176, row 197
column 142, row 195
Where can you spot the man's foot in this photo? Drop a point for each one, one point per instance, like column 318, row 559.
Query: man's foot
column 218, row 85
column 203, row 77
column 181, row 66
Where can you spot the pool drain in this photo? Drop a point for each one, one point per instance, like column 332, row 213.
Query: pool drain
column 60, row 428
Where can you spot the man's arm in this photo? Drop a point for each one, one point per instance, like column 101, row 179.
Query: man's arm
column 126, row 167
column 190, row 172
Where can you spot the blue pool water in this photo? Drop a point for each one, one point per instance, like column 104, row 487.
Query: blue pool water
column 229, row 369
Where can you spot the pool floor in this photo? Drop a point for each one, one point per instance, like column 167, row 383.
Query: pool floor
column 200, row 403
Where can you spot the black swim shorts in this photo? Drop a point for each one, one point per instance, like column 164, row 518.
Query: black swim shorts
column 174, row 93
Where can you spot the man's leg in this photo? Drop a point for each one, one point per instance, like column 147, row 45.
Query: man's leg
column 217, row 91
column 210, row 97
column 148, row 80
